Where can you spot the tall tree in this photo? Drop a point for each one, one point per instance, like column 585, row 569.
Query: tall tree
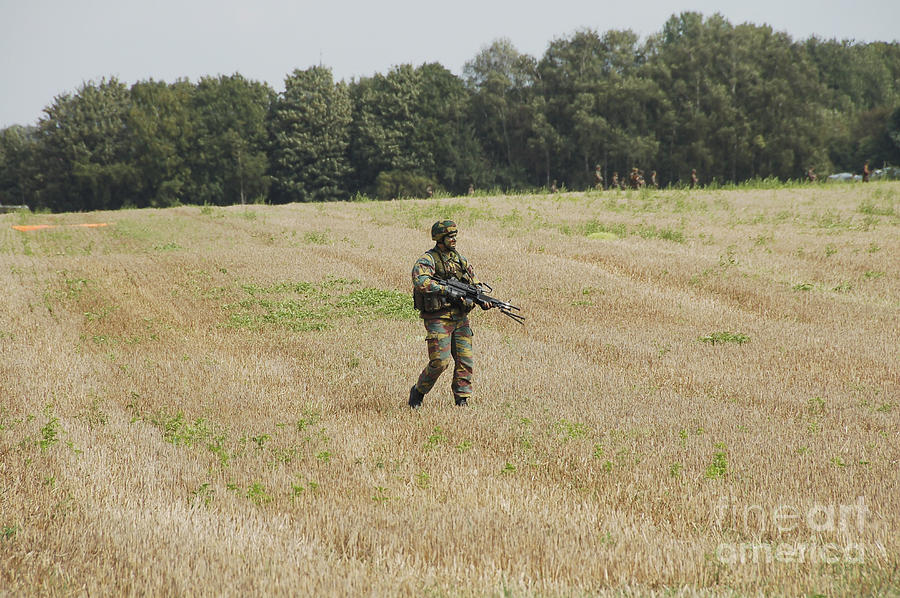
column 386, row 126
column 309, row 128
column 453, row 156
column 876, row 137
column 782, row 100
column 599, row 102
column 746, row 100
column 83, row 149
column 230, row 142
column 18, row 173
column 159, row 124
column 502, row 82
column 685, row 56
column 544, row 141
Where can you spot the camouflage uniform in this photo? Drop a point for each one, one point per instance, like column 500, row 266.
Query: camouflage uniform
column 447, row 331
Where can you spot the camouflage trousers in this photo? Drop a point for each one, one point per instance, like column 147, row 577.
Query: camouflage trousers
column 448, row 339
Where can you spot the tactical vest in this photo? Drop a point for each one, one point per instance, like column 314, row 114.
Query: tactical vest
column 432, row 302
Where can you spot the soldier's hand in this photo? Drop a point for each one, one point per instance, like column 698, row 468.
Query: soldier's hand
column 468, row 303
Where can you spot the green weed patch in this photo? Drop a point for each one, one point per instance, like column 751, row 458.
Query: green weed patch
column 598, row 230
column 870, row 208
column 178, row 430
column 379, row 303
column 303, row 306
column 666, row 234
column 719, row 466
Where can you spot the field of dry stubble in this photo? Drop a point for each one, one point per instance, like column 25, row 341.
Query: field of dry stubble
column 208, row 401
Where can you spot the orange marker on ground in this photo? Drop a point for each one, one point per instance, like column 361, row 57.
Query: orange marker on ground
column 30, row 227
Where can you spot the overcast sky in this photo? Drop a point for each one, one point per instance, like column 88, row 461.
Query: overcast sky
column 48, row 47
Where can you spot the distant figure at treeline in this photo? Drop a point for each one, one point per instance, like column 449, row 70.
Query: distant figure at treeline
column 598, row 178
column 636, row 180
column 694, row 179
column 866, row 172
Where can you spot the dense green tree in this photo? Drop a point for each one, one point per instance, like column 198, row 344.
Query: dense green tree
column 875, row 137
column 746, row 100
column 159, row 125
column 413, row 124
column 502, row 83
column 18, row 174
column 839, row 67
column 544, row 142
column 695, row 63
column 386, row 128
column 600, row 103
column 782, row 106
column 83, row 150
column 229, row 155
column 892, row 130
column 576, row 93
column 309, row 128
column 453, row 156
column 861, row 82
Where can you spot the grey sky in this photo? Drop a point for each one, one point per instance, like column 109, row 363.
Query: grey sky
column 48, row 47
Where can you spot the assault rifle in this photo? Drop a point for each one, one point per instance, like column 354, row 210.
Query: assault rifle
column 460, row 291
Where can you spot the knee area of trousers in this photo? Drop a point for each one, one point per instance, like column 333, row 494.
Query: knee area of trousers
column 440, row 364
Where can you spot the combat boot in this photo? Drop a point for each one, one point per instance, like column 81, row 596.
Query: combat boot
column 461, row 401
column 415, row 397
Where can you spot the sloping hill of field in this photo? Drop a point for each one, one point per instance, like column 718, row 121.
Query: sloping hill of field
column 209, row 401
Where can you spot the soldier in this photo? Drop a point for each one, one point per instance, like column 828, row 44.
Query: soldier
column 553, row 187
column 471, row 189
column 446, row 319
column 614, row 182
column 653, row 182
column 694, row 179
column 810, row 175
column 866, row 172
column 429, row 191
column 598, row 178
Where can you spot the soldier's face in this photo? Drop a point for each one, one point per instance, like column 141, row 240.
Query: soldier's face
column 450, row 241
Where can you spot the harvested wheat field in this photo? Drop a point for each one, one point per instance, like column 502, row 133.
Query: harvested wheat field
column 705, row 399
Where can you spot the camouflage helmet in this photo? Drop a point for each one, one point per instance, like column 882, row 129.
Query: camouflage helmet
column 443, row 228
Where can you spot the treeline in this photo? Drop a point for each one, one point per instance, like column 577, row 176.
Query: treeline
column 733, row 102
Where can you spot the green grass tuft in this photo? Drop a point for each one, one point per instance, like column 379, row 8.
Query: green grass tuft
column 717, row 338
